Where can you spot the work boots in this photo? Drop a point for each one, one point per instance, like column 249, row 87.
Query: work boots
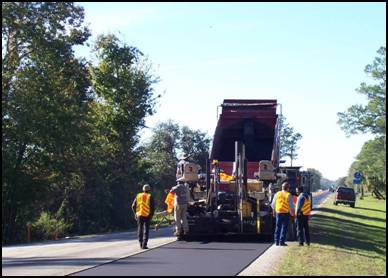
column 144, row 245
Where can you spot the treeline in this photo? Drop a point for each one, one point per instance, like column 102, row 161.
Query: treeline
column 369, row 118
column 71, row 155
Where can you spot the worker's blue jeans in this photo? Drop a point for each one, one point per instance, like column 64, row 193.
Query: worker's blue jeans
column 302, row 226
column 282, row 220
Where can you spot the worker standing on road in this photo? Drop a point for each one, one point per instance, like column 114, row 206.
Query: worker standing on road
column 182, row 198
column 302, row 211
column 282, row 207
column 143, row 207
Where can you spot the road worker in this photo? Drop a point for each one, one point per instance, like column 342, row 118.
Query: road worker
column 169, row 201
column 182, row 198
column 282, row 207
column 143, row 207
column 302, row 211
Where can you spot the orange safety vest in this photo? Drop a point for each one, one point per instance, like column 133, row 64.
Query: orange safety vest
column 306, row 208
column 170, row 201
column 143, row 204
column 282, row 203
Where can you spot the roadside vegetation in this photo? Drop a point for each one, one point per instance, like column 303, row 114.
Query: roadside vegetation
column 369, row 118
column 345, row 241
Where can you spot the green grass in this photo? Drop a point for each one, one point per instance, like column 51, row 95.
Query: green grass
column 164, row 221
column 345, row 241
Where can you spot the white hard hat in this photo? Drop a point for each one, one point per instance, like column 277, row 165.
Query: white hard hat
column 146, row 187
column 184, row 156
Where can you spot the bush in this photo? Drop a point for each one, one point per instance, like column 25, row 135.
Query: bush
column 47, row 227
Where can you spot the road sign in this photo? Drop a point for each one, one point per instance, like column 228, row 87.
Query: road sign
column 357, row 175
column 356, row 181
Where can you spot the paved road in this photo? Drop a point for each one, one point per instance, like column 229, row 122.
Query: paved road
column 317, row 200
column 182, row 258
column 119, row 254
column 68, row 256
column 189, row 258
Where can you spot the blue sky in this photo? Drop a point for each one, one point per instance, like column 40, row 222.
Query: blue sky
column 309, row 56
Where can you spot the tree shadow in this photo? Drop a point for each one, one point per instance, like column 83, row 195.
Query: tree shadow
column 378, row 210
column 353, row 215
column 348, row 235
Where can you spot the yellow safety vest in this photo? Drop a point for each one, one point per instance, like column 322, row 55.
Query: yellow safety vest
column 143, row 204
column 282, row 202
column 306, row 208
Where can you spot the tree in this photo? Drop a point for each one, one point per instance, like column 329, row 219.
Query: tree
column 288, row 140
column 159, row 158
column 317, row 176
column 123, row 83
column 160, row 154
column 196, row 144
column 370, row 117
column 70, row 129
column 44, row 102
column 341, row 182
column 371, row 162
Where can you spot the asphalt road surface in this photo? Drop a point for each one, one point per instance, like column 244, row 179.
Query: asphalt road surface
column 182, row 258
column 119, row 254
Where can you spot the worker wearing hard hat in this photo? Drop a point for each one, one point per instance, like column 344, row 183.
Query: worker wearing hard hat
column 282, row 207
column 143, row 207
column 182, row 199
column 181, row 165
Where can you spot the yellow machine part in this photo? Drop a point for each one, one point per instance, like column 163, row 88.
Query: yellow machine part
column 258, row 218
column 246, row 209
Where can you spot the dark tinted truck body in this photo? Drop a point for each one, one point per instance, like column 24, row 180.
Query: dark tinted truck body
column 345, row 195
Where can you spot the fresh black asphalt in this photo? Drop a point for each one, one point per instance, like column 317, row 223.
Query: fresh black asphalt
column 194, row 258
column 183, row 258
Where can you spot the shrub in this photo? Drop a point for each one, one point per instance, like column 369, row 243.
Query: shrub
column 47, row 227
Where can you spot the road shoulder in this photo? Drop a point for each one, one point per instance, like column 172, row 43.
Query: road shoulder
column 266, row 264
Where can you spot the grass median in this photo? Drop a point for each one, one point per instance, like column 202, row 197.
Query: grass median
column 345, row 241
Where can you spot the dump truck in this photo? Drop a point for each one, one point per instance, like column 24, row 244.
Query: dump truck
column 242, row 173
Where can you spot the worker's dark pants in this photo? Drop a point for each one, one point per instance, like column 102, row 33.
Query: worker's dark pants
column 143, row 229
column 282, row 220
column 302, row 227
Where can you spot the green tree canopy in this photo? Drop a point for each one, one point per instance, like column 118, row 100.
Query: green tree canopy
column 196, row 144
column 371, row 162
column 288, row 140
column 45, row 95
column 370, row 117
column 317, row 176
column 160, row 154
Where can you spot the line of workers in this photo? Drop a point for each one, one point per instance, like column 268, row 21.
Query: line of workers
column 283, row 206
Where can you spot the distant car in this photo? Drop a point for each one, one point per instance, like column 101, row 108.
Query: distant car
column 345, row 195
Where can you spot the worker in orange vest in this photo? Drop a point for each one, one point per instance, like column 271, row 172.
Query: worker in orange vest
column 302, row 211
column 282, row 207
column 170, row 201
column 143, row 207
